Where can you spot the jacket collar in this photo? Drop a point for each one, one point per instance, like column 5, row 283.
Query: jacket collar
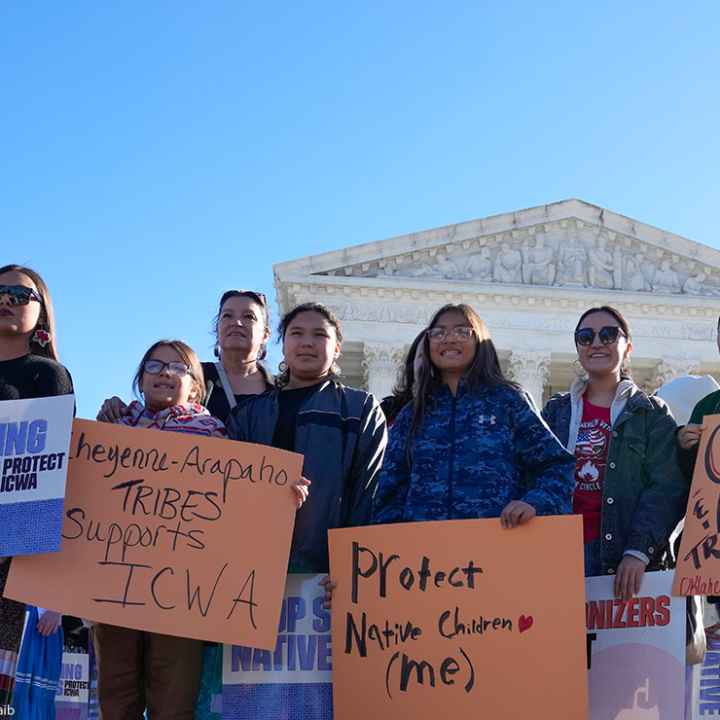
column 628, row 398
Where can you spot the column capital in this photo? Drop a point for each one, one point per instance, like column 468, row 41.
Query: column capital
column 531, row 370
column 382, row 362
column 673, row 366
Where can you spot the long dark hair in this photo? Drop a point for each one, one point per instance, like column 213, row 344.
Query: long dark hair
column 46, row 321
column 284, row 377
column 259, row 299
column 402, row 392
column 484, row 370
column 625, row 368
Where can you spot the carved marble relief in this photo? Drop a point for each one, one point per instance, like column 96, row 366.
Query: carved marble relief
column 562, row 256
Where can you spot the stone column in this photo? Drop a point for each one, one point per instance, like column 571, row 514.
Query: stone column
column 382, row 362
column 531, row 369
column 671, row 367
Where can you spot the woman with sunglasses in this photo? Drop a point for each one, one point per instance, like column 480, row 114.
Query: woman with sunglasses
column 241, row 328
column 471, row 444
column 29, row 368
column 628, row 486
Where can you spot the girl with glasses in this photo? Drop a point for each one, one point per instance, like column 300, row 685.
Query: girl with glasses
column 628, row 486
column 138, row 669
column 241, row 328
column 471, row 443
column 29, row 368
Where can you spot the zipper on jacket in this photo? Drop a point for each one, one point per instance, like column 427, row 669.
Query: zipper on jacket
column 452, row 456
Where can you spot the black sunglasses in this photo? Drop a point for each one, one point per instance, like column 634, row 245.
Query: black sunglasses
column 19, row 294
column 608, row 335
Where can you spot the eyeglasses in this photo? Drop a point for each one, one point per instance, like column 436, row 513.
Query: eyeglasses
column 155, row 367
column 19, row 294
column 608, row 335
column 462, row 333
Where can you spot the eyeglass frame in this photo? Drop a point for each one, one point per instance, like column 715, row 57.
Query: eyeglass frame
column 444, row 333
column 168, row 365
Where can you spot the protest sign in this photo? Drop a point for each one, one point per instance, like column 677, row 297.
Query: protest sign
column 294, row 680
column 172, row 533
column 635, row 651
column 459, row 619
column 34, row 440
column 705, row 683
column 73, row 694
column 698, row 564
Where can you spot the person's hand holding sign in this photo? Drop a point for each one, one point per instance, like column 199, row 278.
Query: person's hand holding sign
column 302, row 490
column 689, row 435
column 516, row 513
column 628, row 578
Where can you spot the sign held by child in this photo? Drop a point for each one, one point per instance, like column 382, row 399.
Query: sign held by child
column 172, row 533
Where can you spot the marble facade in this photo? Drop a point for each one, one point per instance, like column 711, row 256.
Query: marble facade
column 529, row 274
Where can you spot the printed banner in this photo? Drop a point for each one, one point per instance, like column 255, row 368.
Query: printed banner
column 705, row 682
column 172, row 533
column 73, row 696
column 698, row 566
column 294, row 681
column 635, row 651
column 459, row 619
column 34, row 441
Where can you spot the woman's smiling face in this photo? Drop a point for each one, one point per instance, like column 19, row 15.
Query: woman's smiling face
column 598, row 358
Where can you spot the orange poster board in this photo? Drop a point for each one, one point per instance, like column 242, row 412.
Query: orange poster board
column 172, row 533
column 459, row 619
column 698, row 564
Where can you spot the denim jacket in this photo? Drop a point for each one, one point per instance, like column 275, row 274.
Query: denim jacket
column 644, row 494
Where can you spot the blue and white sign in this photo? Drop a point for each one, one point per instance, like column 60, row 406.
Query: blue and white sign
column 294, row 680
column 34, row 444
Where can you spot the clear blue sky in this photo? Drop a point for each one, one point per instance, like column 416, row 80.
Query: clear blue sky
column 154, row 154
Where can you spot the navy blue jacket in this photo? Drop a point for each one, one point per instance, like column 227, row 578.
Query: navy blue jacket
column 472, row 455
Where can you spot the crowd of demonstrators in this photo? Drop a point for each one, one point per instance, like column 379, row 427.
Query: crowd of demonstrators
column 463, row 442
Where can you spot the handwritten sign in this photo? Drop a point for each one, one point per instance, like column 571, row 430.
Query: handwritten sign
column 34, row 440
column 172, row 533
column 698, row 565
column 459, row 619
column 635, row 651
column 294, row 680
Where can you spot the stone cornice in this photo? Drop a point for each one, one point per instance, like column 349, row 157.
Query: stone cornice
column 390, row 295
column 460, row 237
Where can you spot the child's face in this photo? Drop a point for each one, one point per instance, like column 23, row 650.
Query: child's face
column 166, row 388
column 310, row 346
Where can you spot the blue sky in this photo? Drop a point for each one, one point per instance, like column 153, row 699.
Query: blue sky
column 154, row 154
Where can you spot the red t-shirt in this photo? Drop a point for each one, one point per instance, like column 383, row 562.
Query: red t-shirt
column 591, row 451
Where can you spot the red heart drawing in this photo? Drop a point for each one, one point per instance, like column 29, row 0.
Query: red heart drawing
column 525, row 622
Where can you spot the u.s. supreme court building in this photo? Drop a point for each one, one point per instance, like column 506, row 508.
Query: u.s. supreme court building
column 529, row 274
